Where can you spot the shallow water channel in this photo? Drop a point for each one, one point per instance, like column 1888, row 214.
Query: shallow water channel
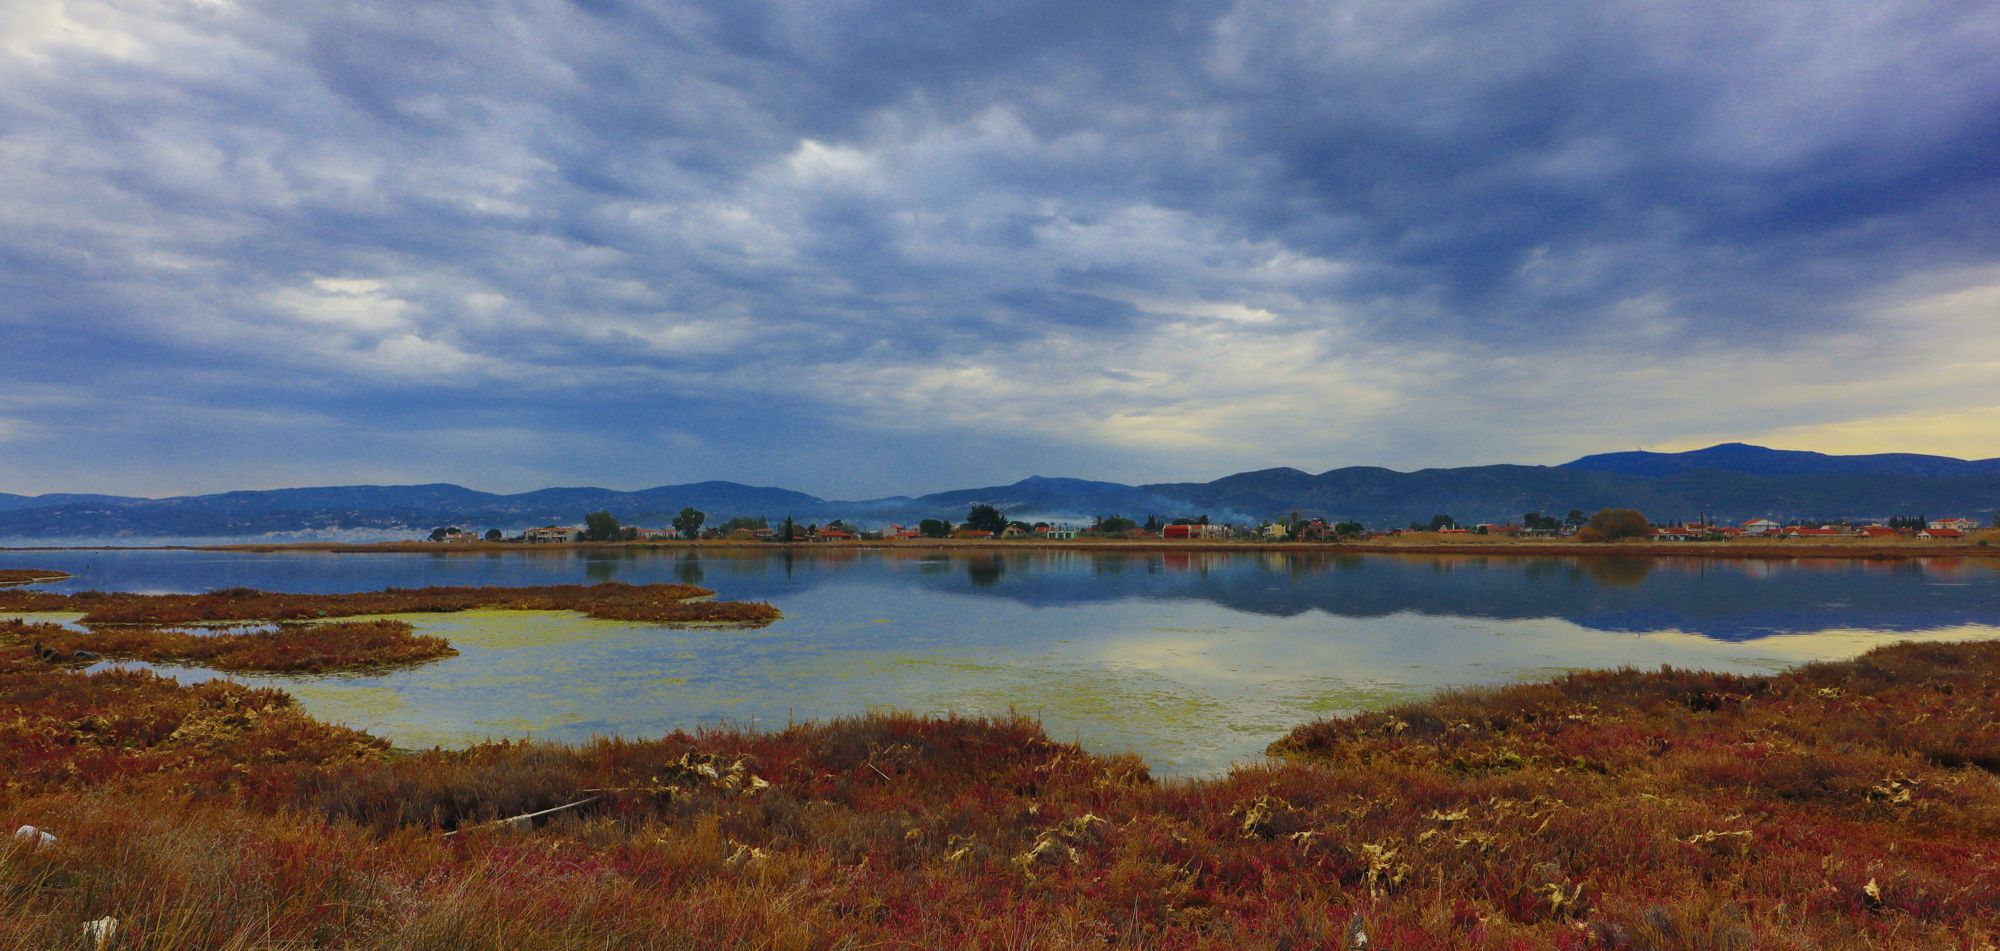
column 1193, row 660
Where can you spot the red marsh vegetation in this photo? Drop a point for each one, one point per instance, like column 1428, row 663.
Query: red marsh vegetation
column 672, row 603
column 10, row 577
column 289, row 648
column 1840, row 805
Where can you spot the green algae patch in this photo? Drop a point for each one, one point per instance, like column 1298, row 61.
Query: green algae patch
column 68, row 619
column 359, row 704
column 501, row 629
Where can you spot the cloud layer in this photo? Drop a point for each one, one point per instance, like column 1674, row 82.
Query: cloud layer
column 861, row 248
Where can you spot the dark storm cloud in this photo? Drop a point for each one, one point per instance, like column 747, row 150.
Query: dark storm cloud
column 1140, row 234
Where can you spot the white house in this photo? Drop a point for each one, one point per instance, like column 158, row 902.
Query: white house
column 1955, row 524
column 1760, row 526
column 550, row 534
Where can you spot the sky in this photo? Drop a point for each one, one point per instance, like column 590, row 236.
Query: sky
column 871, row 248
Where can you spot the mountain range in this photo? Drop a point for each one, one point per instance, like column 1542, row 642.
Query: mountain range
column 1732, row 481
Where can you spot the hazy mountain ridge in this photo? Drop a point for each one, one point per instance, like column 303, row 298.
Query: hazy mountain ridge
column 1757, row 460
column 1731, row 481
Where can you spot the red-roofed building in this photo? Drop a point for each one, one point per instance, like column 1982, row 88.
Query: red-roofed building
column 1940, row 533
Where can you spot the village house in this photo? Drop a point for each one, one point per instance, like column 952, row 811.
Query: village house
column 1876, row 531
column 550, row 535
column 1929, row 534
column 1802, row 531
column 1054, row 532
column 1955, row 524
column 1760, row 526
column 1195, row 532
column 1316, row 530
column 1014, row 531
column 655, row 534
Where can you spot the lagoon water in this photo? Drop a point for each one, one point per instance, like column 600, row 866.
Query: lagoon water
column 1194, row 660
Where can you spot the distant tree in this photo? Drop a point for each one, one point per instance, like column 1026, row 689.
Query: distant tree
column 1152, row 522
column 1575, row 518
column 688, row 523
column 1442, row 521
column 1023, row 526
column 934, row 528
column 1203, row 520
column 1610, row 525
column 985, row 518
column 438, row 533
column 1116, row 525
column 791, row 531
column 1349, row 529
column 752, row 522
column 493, row 535
column 600, row 527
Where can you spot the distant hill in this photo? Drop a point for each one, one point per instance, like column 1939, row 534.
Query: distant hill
column 1730, row 482
column 9, row 502
column 1757, row 460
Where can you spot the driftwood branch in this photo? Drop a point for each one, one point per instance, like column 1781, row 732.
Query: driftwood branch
column 522, row 818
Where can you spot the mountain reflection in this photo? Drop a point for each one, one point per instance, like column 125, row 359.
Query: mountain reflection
column 1726, row 599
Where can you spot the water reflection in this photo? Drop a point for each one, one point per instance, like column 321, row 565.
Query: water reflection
column 1732, row 599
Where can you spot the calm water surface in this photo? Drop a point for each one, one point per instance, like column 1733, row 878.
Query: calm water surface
column 1193, row 660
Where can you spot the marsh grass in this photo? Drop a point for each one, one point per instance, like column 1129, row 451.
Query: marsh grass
column 610, row 600
column 1846, row 805
column 286, row 648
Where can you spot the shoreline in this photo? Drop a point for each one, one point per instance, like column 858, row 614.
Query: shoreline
column 1972, row 547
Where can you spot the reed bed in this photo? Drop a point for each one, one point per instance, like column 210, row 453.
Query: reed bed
column 1847, row 805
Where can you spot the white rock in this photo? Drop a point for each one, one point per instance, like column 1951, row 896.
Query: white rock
column 36, row 838
column 100, row 932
